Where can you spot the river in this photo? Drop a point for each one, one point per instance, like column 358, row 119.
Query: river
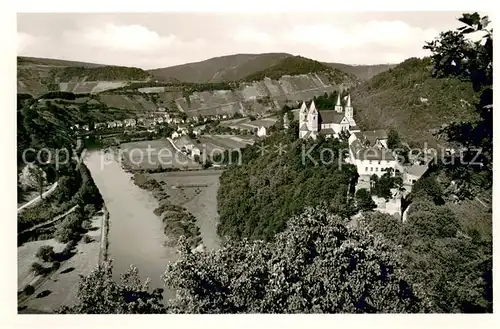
column 136, row 233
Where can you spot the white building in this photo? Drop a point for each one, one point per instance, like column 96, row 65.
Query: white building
column 130, row 122
column 119, row 123
column 261, row 132
column 329, row 122
column 176, row 135
column 369, row 153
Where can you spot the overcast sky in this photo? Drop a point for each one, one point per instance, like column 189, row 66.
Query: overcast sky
column 166, row 39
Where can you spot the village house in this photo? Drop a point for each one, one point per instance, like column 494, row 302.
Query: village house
column 183, row 130
column 100, row 125
column 111, row 124
column 411, row 174
column 328, row 123
column 159, row 120
column 119, row 123
column 261, row 132
column 369, row 153
column 130, row 122
column 176, row 135
column 85, row 127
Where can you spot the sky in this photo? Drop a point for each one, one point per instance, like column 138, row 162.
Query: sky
column 155, row 40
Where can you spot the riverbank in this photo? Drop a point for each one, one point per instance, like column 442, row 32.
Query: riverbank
column 196, row 192
column 176, row 219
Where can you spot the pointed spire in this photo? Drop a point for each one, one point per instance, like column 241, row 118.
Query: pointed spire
column 338, row 100
column 348, row 101
column 313, row 107
column 303, row 107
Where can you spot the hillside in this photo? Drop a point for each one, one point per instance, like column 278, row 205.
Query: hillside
column 239, row 66
column 363, row 72
column 220, row 69
column 54, row 62
column 409, row 100
column 296, row 65
column 37, row 76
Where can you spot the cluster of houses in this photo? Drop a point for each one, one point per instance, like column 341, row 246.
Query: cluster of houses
column 149, row 122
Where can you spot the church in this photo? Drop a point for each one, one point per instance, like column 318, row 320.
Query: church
column 327, row 123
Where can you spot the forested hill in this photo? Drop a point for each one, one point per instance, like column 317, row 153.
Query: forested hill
column 295, row 65
column 408, row 99
column 256, row 198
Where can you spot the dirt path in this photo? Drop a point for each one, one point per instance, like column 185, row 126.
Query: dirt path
column 49, row 222
column 37, row 199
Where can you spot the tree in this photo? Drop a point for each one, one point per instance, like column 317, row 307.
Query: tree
column 393, row 140
column 45, row 253
column 364, row 200
column 99, row 293
column 344, row 135
column 34, row 177
column 318, row 264
column 454, row 55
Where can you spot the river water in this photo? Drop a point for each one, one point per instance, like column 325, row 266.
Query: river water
column 136, row 233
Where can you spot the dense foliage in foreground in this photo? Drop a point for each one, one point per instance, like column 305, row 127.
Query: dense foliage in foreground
column 319, row 264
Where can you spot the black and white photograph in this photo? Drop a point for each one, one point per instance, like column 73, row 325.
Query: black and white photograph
column 315, row 162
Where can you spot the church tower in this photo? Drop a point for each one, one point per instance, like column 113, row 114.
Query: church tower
column 312, row 118
column 349, row 111
column 338, row 106
column 302, row 114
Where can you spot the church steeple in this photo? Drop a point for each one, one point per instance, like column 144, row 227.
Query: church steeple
column 302, row 114
column 338, row 106
column 349, row 111
column 312, row 118
column 348, row 101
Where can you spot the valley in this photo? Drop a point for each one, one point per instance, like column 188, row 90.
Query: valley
column 353, row 190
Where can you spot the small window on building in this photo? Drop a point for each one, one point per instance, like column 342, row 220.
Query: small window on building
column 371, row 168
column 376, row 168
column 366, row 169
column 379, row 161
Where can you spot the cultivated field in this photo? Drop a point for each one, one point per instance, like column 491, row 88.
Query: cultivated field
column 215, row 144
column 246, row 124
column 197, row 192
column 155, row 153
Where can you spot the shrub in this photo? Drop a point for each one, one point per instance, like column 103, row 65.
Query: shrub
column 29, row 290
column 45, row 253
column 87, row 239
column 38, row 268
column 56, row 265
column 89, row 210
column 70, row 228
column 87, row 225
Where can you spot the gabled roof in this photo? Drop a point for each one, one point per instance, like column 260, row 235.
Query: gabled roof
column 327, row 131
column 330, row 116
column 371, row 136
column 312, row 108
column 303, row 108
column 303, row 127
column 370, row 153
